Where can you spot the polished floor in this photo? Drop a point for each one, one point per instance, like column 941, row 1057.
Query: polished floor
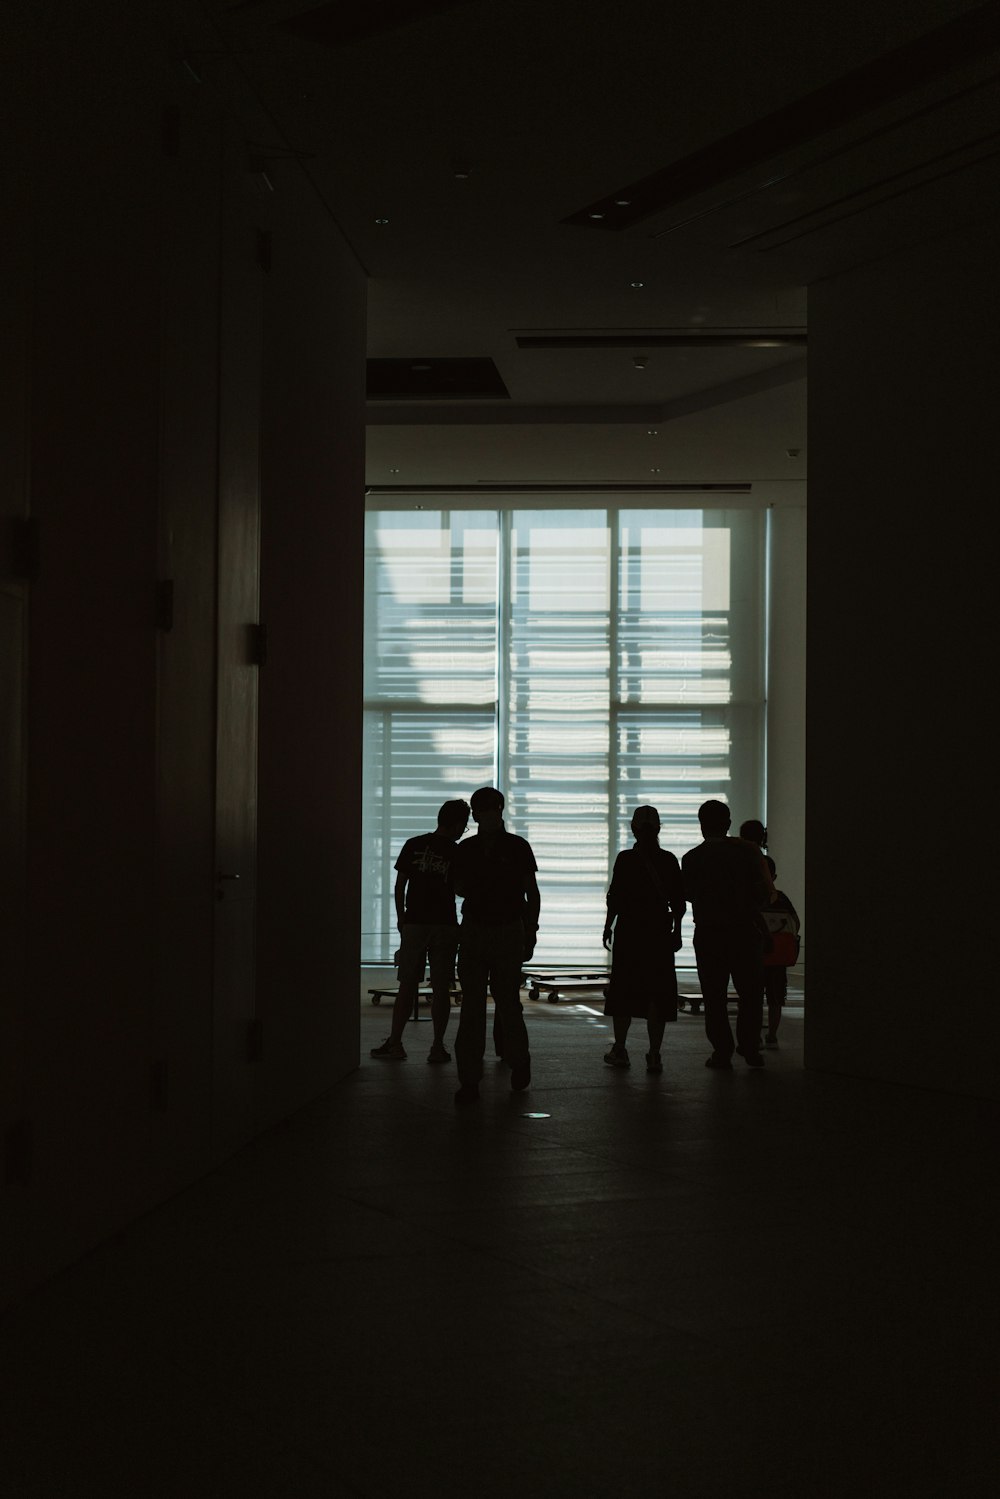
column 707, row 1285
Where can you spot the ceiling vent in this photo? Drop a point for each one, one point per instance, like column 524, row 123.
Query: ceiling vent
column 435, row 380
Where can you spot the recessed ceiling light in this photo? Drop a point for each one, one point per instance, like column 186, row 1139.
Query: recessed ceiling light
column 652, row 431
column 381, row 221
column 394, row 471
column 654, row 471
column 622, row 202
column 640, row 361
column 637, row 283
column 595, row 215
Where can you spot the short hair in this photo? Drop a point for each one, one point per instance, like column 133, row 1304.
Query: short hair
column 457, row 811
column 753, row 830
column 486, row 799
column 714, row 815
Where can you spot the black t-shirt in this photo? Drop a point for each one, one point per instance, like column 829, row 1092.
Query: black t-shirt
column 493, row 871
column 645, row 884
column 724, row 881
column 426, row 863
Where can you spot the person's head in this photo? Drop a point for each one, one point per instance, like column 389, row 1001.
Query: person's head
column 754, row 831
column 715, row 819
column 487, row 806
column 453, row 819
column 645, row 824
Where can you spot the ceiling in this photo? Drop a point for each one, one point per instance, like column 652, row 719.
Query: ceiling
column 734, row 153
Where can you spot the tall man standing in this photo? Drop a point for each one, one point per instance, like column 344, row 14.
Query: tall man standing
column 428, row 929
column 724, row 882
column 495, row 873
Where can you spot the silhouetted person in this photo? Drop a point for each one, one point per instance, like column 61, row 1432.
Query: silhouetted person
column 754, row 832
column 428, row 929
column 781, row 949
column 778, row 904
column 495, row 875
column 724, row 882
column 645, row 908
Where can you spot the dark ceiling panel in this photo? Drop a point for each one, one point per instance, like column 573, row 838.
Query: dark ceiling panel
column 337, row 23
column 435, row 380
column 925, row 60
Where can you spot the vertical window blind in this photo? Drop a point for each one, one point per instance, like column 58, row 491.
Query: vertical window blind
column 585, row 661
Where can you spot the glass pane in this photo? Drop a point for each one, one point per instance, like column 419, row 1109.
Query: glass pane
column 556, row 748
column 430, row 594
column 430, row 687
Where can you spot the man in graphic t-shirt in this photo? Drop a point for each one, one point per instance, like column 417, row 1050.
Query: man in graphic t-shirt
column 428, row 930
column 495, row 875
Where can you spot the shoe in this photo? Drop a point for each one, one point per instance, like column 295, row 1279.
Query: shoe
column 723, row 1064
column 389, row 1051
column 437, row 1053
column 653, row 1063
column 467, row 1093
column 770, row 1039
column 520, row 1076
column 617, row 1057
column 753, row 1059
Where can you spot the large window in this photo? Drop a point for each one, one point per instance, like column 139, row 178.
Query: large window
column 584, row 661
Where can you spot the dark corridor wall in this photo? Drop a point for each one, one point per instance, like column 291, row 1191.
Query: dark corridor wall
column 903, row 394
column 182, row 461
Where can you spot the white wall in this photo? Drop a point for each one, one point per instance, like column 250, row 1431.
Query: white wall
column 903, row 402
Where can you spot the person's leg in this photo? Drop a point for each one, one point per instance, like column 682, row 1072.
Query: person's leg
column 775, row 991
column 747, row 959
column 621, row 1024
column 662, row 1009
column 655, row 1025
column 473, row 976
column 507, row 953
column 712, row 961
column 441, row 945
column 412, row 956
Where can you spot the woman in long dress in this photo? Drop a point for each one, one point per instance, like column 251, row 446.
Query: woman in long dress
column 643, row 931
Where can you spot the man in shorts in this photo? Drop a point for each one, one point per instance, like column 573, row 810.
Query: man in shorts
column 495, row 873
column 428, row 929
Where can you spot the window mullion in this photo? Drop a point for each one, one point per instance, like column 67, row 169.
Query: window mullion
column 505, row 564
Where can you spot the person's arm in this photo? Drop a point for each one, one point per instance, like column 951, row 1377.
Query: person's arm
column 678, row 908
column 614, row 905
column 400, row 896
column 532, row 908
column 678, row 904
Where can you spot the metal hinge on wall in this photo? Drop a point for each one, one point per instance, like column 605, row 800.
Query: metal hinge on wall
column 258, row 644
